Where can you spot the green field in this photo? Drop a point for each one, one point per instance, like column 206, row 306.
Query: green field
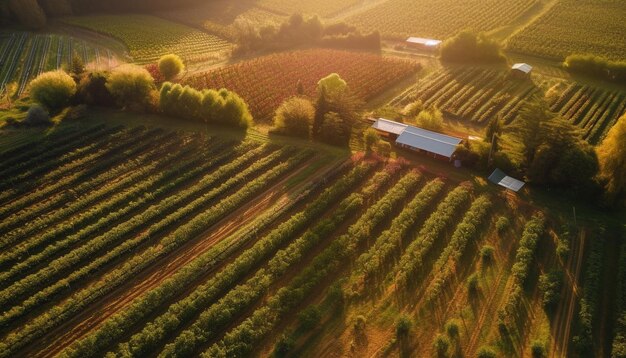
column 148, row 37
column 439, row 19
column 573, row 26
column 477, row 95
column 23, row 56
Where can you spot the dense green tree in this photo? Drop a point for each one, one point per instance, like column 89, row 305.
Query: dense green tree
column 430, row 119
column 295, row 117
column 171, row 66
column 130, row 85
column 468, row 46
column 53, row 89
column 334, row 130
column 370, row 139
column 612, row 158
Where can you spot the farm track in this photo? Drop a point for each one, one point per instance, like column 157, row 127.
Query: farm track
column 153, row 275
column 562, row 325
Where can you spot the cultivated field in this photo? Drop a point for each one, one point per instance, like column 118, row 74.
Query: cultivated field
column 265, row 82
column 600, row 30
column 438, row 19
column 478, row 94
column 324, row 8
column 23, row 56
column 148, row 37
column 146, row 242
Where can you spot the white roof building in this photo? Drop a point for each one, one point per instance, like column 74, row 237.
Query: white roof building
column 523, row 67
column 498, row 177
column 419, row 139
column 385, row 125
column 423, row 42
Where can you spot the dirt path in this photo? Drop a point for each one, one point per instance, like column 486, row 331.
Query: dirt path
column 91, row 318
column 562, row 325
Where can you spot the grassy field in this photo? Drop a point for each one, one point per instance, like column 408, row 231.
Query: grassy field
column 600, row 31
column 144, row 240
column 439, row 19
column 276, row 76
column 23, row 56
column 478, row 94
column 148, row 37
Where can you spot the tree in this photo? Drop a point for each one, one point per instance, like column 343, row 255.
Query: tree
column 332, row 85
column 36, row 116
column 486, row 255
column 470, row 47
column 538, row 349
column 334, row 130
column 430, row 119
column 452, row 329
column 403, row 327
column 493, row 133
column 53, row 89
column 77, row 67
column 92, row 90
column 28, row 13
column 611, row 155
column 441, row 345
column 371, row 139
column 295, row 117
column 130, row 85
column 170, row 66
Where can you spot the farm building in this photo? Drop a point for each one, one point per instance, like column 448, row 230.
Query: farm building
column 498, row 177
column 420, row 43
column 418, row 139
column 521, row 70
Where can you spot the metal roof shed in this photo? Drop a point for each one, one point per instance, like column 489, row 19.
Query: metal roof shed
column 420, row 41
column 422, row 139
column 498, row 177
column 387, row 126
column 523, row 67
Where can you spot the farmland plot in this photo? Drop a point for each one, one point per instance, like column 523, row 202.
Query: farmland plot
column 264, row 83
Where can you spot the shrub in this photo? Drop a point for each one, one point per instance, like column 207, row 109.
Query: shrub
column 384, row 148
column 92, row 90
column 309, row 318
column 538, row 349
column 486, row 255
column 452, row 329
column 470, row 47
column 130, row 85
column 170, row 66
column 403, row 327
column 53, row 89
column 550, row 286
column 472, row 284
column 284, row 345
column 441, row 345
column 597, row 67
column 413, row 109
column 359, row 324
column 431, row 119
column 502, row 224
column 211, row 106
column 37, row 115
column 295, row 117
column 486, row 352
column 370, row 139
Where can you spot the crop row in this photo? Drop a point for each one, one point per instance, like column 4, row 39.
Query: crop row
column 448, row 262
column 93, row 247
column 590, row 300
column 148, row 37
column 154, row 332
column 277, row 76
column 619, row 340
column 524, row 257
column 28, row 54
column 28, row 206
column 389, row 242
column 242, row 340
column 413, row 258
column 399, row 19
column 119, row 207
column 181, row 235
column 114, row 182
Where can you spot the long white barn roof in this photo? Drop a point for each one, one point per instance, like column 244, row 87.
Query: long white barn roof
column 388, row 126
column 524, row 67
column 429, row 141
column 423, row 41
